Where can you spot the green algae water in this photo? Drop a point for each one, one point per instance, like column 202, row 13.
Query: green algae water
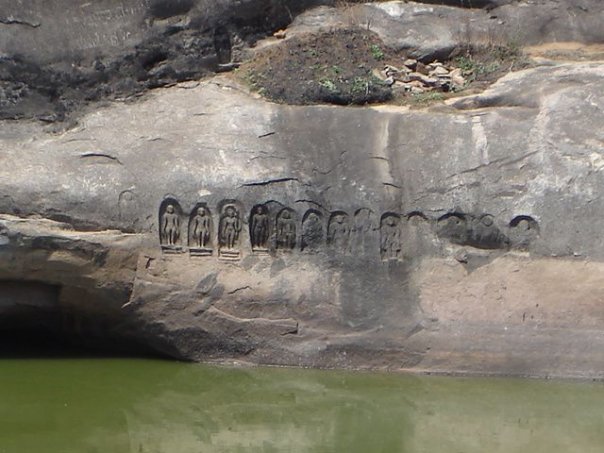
column 140, row 405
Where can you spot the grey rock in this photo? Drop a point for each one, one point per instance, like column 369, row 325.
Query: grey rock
column 439, row 71
column 433, row 30
column 425, row 80
column 410, row 63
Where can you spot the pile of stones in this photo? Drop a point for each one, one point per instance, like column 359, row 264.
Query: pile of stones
column 416, row 77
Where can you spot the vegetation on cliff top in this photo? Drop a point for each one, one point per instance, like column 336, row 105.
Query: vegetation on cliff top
column 354, row 67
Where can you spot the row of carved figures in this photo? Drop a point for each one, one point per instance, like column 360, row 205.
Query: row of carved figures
column 281, row 230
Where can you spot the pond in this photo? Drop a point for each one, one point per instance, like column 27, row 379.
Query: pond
column 145, row 405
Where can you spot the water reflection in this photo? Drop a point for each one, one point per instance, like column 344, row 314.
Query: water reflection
column 125, row 405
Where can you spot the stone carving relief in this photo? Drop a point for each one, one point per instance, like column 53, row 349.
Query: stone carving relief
column 390, row 237
column 338, row 231
column 361, row 229
column 259, row 228
column 286, row 229
column 201, row 229
column 170, row 214
column 229, row 230
column 312, row 230
column 523, row 230
column 127, row 208
column 343, row 233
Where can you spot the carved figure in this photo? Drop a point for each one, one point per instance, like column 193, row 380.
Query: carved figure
column 230, row 227
column 202, row 228
column 312, row 231
column 338, row 232
column 259, row 229
column 286, row 230
column 170, row 226
column 361, row 229
column 390, row 243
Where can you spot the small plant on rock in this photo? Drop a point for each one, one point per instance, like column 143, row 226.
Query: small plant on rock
column 377, row 52
column 329, row 85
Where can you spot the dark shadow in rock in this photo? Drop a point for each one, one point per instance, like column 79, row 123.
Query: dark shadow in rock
column 454, row 227
column 476, row 231
column 35, row 323
column 163, row 9
column 484, row 234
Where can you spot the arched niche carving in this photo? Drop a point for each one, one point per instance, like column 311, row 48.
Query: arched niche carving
column 312, row 230
column 362, row 227
column 260, row 229
column 523, row 230
column 338, row 231
column 170, row 225
column 453, row 226
column 230, row 226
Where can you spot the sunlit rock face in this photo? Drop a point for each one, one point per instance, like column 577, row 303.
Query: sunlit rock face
column 208, row 224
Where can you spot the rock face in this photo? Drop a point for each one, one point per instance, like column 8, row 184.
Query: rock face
column 58, row 55
column 206, row 223
column 431, row 29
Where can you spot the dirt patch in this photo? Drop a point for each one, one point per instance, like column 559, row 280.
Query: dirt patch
column 353, row 67
column 334, row 67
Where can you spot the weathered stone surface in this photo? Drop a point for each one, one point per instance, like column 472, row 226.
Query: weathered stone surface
column 466, row 238
column 430, row 31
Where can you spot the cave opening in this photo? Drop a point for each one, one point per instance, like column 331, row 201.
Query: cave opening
column 34, row 324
